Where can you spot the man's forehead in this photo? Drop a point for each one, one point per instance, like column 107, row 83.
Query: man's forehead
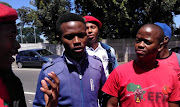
column 150, row 29
column 72, row 25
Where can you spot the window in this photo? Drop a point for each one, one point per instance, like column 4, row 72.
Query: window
column 24, row 53
column 32, row 54
column 44, row 52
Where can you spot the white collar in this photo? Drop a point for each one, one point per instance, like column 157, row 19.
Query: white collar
column 98, row 48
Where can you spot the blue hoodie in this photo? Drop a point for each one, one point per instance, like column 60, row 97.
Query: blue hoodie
column 80, row 82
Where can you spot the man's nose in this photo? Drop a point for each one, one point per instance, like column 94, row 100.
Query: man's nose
column 76, row 41
column 141, row 44
column 89, row 30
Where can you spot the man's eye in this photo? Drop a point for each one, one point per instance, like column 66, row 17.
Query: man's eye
column 137, row 41
column 93, row 27
column 81, row 35
column 69, row 37
column 148, row 43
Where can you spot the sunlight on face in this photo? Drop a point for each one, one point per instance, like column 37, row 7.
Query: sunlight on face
column 148, row 29
column 72, row 23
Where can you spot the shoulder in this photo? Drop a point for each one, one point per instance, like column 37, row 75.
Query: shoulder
column 95, row 62
column 126, row 65
column 56, row 65
column 121, row 72
column 125, row 68
column 94, row 59
column 165, row 69
column 177, row 54
column 105, row 46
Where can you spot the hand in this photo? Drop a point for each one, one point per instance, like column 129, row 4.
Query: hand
column 51, row 95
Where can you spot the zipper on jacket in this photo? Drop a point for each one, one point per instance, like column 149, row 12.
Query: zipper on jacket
column 80, row 77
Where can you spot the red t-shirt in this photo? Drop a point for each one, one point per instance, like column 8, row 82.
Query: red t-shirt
column 137, row 88
column 4, row 96
column 172, row 62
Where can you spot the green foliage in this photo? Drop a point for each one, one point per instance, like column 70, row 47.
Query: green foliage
column 28, row 16
column 176, row 34
column 28, row 35
column 122, row 18
column 48, row 12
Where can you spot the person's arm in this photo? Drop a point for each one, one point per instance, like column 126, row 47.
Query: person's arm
column 112, row 102
column 173, row 104
column 111, row 88
column 101, row 93
column 174, row 98
column 113, row 54
column 51, row 95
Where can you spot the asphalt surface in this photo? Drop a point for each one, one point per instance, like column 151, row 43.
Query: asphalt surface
column 29, row 77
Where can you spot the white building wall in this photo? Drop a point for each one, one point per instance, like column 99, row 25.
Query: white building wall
column 124, row 47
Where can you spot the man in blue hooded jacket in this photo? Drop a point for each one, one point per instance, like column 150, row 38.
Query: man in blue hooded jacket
column 81, row 76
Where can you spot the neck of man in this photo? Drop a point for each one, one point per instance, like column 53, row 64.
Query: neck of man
column 4, row 71
column 147, row 65
column 93, row 45
column 164, row 53
column 74, row 57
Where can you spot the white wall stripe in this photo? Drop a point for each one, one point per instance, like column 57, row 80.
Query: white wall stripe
column 32, row 93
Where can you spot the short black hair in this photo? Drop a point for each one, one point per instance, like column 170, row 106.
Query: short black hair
column 66, row 18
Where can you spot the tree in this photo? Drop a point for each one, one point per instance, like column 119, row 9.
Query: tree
column 48, row 12
column 177, row 31
column 122, row 18
column 177, row 8
column 28, row 35
column 28, row 16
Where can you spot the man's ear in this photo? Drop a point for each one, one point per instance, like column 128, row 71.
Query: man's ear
column 166, row 39
column 161, row 46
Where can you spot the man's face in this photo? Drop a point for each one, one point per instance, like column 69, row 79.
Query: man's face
column 147, row 43
column 92, row 32
column 74, row 38
column 8, row 44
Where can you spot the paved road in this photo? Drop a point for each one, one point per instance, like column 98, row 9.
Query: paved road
column 29, row 78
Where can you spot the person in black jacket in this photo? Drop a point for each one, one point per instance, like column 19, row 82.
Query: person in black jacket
column 11, row 90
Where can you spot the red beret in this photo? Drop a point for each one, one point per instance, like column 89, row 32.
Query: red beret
column 92, row 19
column 7, row 13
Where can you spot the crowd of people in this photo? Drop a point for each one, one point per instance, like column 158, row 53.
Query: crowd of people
column 88, row 75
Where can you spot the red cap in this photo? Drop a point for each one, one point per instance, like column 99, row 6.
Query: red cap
column 7, row 13
column 92, row 19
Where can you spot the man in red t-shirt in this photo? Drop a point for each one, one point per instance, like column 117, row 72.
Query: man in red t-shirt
column 166, row 56
column 144, row 82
